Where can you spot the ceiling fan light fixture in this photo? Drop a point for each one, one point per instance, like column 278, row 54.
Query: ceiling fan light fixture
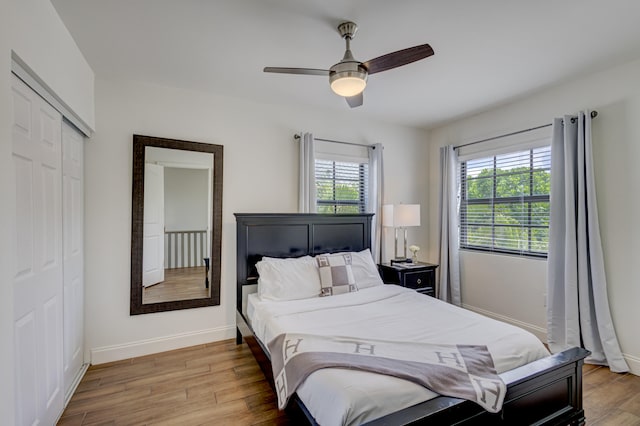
column 348, row 83
column 348, row 78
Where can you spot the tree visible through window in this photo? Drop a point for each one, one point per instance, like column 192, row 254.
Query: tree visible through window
column 505, row 202
column 341, row 187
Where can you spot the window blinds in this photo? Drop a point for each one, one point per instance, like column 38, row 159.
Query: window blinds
column 505, row 202
column 341, row 187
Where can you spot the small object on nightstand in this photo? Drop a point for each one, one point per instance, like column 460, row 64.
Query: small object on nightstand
column 400, row 261
column 419, row 276
column 414, row 251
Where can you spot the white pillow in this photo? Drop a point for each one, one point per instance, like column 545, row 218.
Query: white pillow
column 288, row 279
column 365, row 270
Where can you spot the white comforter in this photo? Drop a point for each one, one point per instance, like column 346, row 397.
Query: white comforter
column 389, row 312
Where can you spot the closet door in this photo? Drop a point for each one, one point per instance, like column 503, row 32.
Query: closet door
column 38, row 299
column 153, row 228
column 73, row 269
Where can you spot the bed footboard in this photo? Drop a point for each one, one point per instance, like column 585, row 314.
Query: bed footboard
column 545, row 392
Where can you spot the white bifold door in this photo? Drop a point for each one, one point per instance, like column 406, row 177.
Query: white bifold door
column 73, row 255
column 48, row 273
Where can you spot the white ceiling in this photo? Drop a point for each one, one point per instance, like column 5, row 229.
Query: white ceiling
column 486, row 52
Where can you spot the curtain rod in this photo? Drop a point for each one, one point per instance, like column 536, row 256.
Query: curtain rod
column 297, row 136
column 594, row 114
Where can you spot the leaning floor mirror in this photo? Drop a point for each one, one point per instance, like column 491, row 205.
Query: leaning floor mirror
column 176, row 224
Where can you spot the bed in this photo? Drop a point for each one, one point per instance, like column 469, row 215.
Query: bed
column 547, row 390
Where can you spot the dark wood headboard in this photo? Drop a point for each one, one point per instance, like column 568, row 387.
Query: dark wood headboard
column 294, row 235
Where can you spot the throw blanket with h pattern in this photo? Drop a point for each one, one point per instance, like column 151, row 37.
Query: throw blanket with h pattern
column 460, row 371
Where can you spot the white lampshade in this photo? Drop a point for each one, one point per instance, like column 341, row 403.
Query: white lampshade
column 400, row 215
column 406, row 215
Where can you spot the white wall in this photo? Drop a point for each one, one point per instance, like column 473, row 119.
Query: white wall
column 260, row 175
column 185, row 199
column 513, row 288
column 7, row 220
column 40, row 39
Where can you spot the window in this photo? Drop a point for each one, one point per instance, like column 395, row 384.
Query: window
column 341, row 187
column 505, row 202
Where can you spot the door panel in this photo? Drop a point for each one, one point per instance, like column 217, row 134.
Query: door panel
column 73, row 215
column 36, row 143
column 153, row 232
column 24, row 222
column 50, row 233
column 26, row 378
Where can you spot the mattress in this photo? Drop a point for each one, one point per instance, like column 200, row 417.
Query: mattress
column 389, row 312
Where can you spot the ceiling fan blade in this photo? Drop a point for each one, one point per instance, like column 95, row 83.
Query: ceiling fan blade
column 399, row 58
column 305, row 71
column 355, row 101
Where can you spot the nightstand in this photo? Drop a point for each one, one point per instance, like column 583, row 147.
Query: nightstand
column 418, row 276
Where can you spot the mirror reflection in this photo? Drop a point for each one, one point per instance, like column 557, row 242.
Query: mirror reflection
column 177, row 225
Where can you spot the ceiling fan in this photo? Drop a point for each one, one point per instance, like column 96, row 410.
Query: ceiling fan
column 348, row 77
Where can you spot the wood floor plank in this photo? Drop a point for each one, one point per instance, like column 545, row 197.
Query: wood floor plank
column 241, row 392
column 101, row 402
column 617, row 418
column 120, row 372
column 632, row 405
column 227, row 359
column 232, row 410
column 596, row 378
column 610, row 396
column 88, row 384
column 263, row 401
column 194, row 391
column 100, row 391
column 167, row 375
column 221, row 384
column 135, row 410
column 72, row 420
column 205, row 380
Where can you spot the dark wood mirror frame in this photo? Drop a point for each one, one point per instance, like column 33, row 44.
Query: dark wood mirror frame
column 137, row 219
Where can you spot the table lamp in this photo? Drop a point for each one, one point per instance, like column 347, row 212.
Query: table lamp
column 400, row 216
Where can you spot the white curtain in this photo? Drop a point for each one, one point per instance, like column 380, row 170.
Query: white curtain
column 577, row 306
column 449, row 242
column 376, row 195
column 307, row 190
column 349, row 153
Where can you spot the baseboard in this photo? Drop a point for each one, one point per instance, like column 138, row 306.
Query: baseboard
column 74, row 385
column 72, row 389
column 105, row 354
column 633, row 363
column 539, row 332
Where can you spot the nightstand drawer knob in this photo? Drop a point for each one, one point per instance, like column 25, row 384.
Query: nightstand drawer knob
column 419, row 281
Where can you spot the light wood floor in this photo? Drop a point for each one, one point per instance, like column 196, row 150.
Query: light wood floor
column 221, row 384
column 610, row 399
column 178, row 284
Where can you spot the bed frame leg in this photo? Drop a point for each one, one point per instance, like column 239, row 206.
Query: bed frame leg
column 238, row 337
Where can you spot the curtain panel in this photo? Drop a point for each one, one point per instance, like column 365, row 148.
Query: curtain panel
column 310, row 149
column 577, row 307
column 307, row 181
column 376, row 195
column 449, row 288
